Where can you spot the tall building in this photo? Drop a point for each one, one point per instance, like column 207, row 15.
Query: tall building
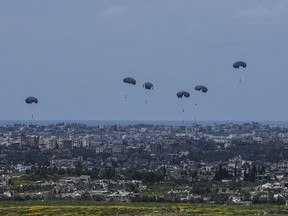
column 52, row 144
column 67, row 144
column 32, row 140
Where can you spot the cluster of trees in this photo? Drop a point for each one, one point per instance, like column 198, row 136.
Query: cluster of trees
column 281, row 200
column 106, row 172
column 251, row 173
column 54, row 173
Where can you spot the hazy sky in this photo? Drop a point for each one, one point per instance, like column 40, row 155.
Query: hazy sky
column 72, row 55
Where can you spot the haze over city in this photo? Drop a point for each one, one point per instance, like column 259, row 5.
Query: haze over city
column 73, row 56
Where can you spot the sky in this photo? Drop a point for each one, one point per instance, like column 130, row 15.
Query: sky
column 73, row 55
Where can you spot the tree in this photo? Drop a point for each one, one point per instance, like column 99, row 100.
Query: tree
column 222, row 173
column 251, row 174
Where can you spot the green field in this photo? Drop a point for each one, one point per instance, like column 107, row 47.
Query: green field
column 96, row 208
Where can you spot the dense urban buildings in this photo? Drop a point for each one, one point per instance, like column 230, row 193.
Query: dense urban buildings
column 219, row 163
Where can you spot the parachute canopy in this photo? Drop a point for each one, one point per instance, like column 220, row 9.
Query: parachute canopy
column 182, row 94
column 30, row 100
column 239, row 64
column 129, row 80
column 201, row 88
column 148, row 85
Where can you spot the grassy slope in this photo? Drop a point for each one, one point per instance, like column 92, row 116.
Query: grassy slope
column 96, row 208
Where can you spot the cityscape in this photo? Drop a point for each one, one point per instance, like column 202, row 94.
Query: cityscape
column 143, row 108
column 225, row 163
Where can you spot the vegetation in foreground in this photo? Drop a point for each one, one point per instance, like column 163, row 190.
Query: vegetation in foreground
column 64, row 207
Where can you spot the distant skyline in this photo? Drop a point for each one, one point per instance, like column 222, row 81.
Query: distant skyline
column 73, row 55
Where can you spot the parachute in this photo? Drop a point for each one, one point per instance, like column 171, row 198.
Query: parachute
column 148, row 86
column 129, row 80
column 201, row 88
column 182, row 94
column 30, row 100
column 239, row 64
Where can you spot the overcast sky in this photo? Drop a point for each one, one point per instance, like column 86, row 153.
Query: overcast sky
column 73, row 55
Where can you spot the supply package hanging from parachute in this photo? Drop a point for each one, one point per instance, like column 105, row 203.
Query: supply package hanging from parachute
column 148, row 86
column 183, row 94
column 239, row 65
column 129, row 81
column 202, row 89
column 31, row 100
